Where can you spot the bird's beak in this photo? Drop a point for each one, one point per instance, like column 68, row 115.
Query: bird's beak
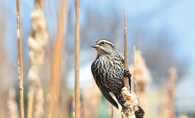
column 95, row 45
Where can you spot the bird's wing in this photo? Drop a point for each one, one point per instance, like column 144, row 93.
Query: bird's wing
column 121, row 56
column 103, row 90
column 140, row 113
column 107, row 94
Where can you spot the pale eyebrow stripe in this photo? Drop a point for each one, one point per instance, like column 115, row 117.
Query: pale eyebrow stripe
column 106, row 41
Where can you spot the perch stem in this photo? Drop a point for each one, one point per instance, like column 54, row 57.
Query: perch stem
column 134, row 73
column 126, row 79
column 20, row 64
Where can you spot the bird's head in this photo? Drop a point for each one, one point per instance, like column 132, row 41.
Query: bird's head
column 103, row 46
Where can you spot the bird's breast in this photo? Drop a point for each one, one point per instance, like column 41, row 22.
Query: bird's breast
column 110, row 73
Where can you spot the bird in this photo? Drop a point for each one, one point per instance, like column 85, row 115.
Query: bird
column 108, row 72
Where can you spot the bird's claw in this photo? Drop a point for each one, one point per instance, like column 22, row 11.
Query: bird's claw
column 127, row 73
column 126, row 107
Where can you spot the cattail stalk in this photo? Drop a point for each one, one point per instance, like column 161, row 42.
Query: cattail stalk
column 126, row 79
column 56, row 64
column 129, row 97
column 77, row 62
column 37, row 41
column 30, row 102
column 141, row 78
column 167, row 108
column 134, row 70
column 125, row 112
column 90, row 102
column 172, row 77
column 20, row 64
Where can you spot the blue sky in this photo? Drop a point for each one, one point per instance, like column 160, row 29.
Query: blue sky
column 176, row 15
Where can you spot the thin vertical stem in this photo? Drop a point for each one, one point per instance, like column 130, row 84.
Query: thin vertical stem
column 172, row 78
column 77, row 61
column 56, row 63
column 134, row 73
column 30, row 102
column 126, row 79
column 20, row 64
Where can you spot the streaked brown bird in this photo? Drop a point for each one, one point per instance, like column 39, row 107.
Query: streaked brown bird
column 108, row 72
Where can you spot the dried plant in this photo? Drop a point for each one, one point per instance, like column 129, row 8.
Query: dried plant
column 130, row 98
column 131, row 101
column 172, row 77
column 90, row 102
column 167, row 109
column 77, row 60
column 30, row 101
column 20, row 64
column 12, row 104
column 141, row 78
column 37, row 41
column 56, row 63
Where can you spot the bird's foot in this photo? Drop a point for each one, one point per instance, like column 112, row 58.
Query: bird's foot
column 125, row 106
column 127, row 73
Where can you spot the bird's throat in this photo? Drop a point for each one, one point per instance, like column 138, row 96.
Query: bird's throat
column 101, row 51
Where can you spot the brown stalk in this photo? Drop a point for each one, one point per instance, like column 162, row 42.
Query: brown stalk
column 77, row 62
column 30, row 102
column 126, row 79
column 134, row 73
column 167, row 110
column 20, row 64
column 126, row 93
column 172, row 77
column 56, row 63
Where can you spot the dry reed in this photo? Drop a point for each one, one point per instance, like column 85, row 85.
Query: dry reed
column 56, row 64
column 134, row 70
column 141, row 79
column 141, row 73
column 167, row 110
column 172, row 77
column 37, row 41
column 130, row 98
column 20, row 64
column 77, row 58
column 90, row 102
column 30, row 101
column 126, row 79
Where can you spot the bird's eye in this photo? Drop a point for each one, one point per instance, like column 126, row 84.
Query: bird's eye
column 102, row 42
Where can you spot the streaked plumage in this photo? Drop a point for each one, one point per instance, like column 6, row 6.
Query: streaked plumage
column 108, row 71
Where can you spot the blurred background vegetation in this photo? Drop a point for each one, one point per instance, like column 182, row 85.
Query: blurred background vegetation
column 162, row 30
